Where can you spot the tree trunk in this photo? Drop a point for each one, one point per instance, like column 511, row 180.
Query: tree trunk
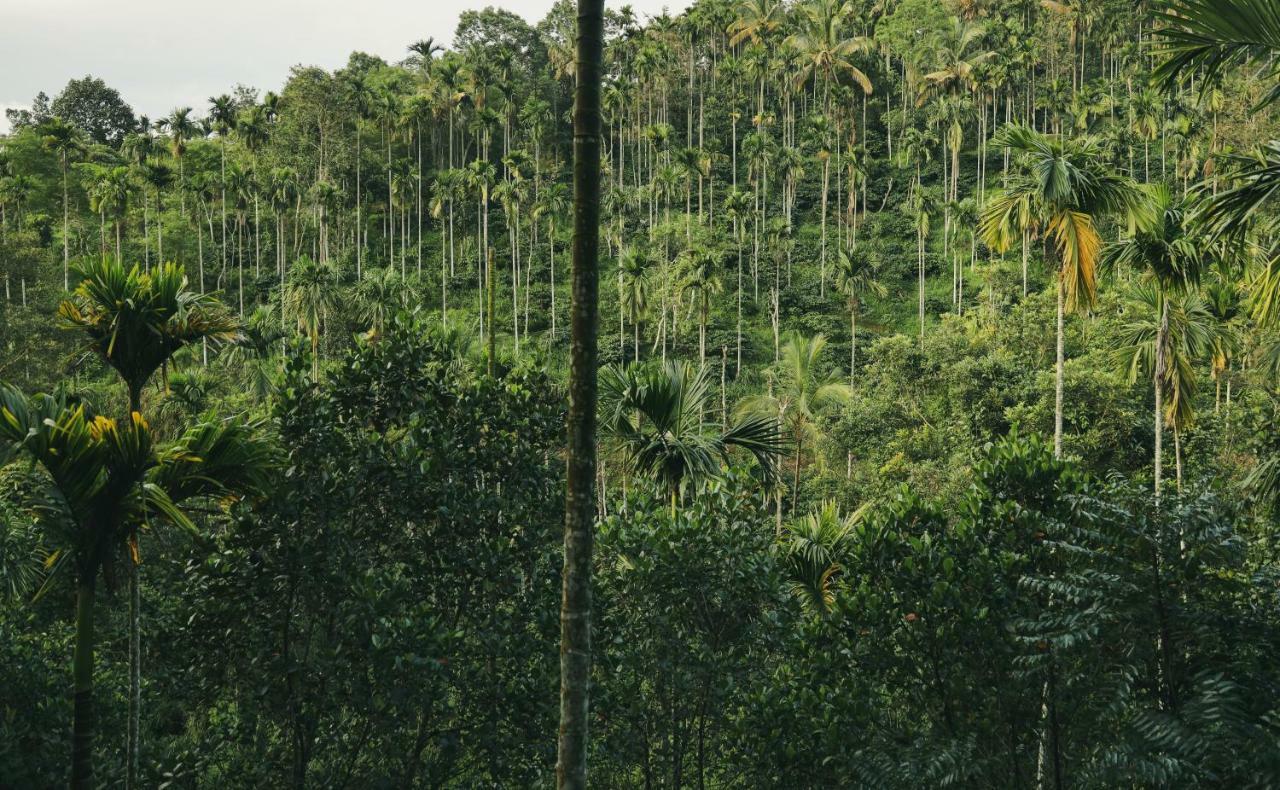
column 575, row 607
column 1157, row 382
column 82, row 729
column 135, row 637
column 1058, row 372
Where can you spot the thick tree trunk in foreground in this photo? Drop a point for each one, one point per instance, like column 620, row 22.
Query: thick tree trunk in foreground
column 82, row 675
column 135, row 639
column 575, row 607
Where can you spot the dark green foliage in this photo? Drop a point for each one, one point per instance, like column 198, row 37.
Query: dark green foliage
column 402, row 583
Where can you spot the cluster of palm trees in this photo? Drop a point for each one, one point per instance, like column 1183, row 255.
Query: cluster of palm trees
column 110, row 478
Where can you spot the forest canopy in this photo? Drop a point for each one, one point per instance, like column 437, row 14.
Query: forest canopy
column 933, row 440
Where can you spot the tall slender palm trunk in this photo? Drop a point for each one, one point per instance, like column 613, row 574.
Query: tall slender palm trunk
column 1157, row 381
column 575, row 608
column 135, row 640
column 1059, row 366
column 82, row 728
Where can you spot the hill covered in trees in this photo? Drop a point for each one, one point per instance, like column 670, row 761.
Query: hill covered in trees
column 937, row 417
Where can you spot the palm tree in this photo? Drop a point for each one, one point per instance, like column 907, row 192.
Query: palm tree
column 254, row 130
column 633, row 297
column 656, row 414
column 425, row 49
column 799, row 394
column 312, row 296
column 1210, row 38
column 383, row 293
column 815, row 546
column 580, row 506
column 1065, row 187
column 552, row 203
column 158, row 176
column 105, row 479
column 222, row 118
column 922, row 205
column 738, row 208
column 136, row 321
column 181, row 128
column 1172, row 256
column 703, row 281
column 826, row 53
column 856, row 279
column 1166, row 334
column 282, row 194
column 480, row 177
column 64, row 140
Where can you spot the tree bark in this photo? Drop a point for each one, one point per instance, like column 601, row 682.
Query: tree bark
column 575, row 607
column 1058, row 372
column 82, row 728
column 1157, row 384
column 135, row 637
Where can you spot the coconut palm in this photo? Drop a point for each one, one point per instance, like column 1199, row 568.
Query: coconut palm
column 826, row 51
column 656, row 414
column 105, row 478
column 814, row 549
column 799, row 394
column 1063, row 189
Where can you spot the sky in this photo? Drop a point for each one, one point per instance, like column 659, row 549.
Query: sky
column 162, row 54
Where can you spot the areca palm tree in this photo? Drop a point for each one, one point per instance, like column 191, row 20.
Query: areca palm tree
column 580, row 500
column 656, row 414
column 633, row 296
column 738, row 208
column 105, row 479
column 254, row 131
column 136, row 321
column 552, row 203
column 480, row 177
column 1165, row 335
column 856, row 279
column 158, row 176
column 181, row 128
column 1210, row 38
column 703, row 281
column 282, row 194
column 222, row 118
column 312, row 297
column 1064, row 188
column 66, row 141
column 1172, row 256
column 382, row 293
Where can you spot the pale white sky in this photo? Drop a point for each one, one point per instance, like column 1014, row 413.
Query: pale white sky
column 162, row 54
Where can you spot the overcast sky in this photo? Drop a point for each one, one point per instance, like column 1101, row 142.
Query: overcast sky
column 162, row 54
